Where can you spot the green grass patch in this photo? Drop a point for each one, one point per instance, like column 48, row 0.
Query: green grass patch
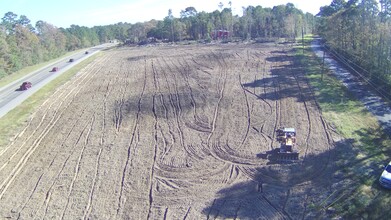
column 23, row 72
column 11, row 123
column 368, row 142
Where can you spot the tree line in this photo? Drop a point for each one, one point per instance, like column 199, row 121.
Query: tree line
column 359, row 32
column 23, row 44
column 256, row 22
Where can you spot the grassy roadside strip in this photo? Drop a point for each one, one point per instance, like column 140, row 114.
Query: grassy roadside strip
column 23, row 72
column 369, row 144
column 12, row 122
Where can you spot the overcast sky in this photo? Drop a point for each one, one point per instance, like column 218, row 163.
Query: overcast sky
column 90, row 13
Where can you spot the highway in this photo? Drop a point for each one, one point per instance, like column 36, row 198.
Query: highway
column 11, row 95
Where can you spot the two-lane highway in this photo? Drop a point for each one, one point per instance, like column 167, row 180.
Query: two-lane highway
column 11, row 95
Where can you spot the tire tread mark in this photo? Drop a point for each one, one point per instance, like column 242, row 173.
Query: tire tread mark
column 248, row 113
column 77, row 167
column 135, row 127
column 151, row 176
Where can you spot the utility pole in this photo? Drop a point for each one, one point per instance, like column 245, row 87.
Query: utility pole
column 321, row 78
column 232, row 20
column 302, row 37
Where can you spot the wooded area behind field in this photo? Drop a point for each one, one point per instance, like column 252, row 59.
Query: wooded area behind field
column 23, row 44
column 356, row 31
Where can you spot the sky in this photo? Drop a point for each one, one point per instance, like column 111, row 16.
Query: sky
column 91, row 13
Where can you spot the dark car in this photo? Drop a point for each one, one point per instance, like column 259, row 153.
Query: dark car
column 55, row 69
column 71, row 60
column 25, row 85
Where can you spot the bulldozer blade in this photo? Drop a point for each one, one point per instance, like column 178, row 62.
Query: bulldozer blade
column 287, row 156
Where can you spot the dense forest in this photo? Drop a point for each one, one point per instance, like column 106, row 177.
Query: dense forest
column 358, row 32
column 23, row 44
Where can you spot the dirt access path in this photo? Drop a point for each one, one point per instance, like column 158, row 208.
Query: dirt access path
column 171, row 133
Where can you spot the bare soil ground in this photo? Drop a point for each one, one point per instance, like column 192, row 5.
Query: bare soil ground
column 174, row 132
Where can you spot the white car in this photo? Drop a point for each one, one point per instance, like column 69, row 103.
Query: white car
column 385, row 178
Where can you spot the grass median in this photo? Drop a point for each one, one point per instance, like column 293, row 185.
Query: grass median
column 367, row 148
column 13, row 121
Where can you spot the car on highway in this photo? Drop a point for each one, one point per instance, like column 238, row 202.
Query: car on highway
column 86, row 52
column 385, row 178
column 71, row 60
column 25, row 86
column 55, row 69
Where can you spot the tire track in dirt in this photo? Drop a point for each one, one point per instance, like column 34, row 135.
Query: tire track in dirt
column 252, row 174
column 90, row 153
column 57, row 115
column 280, row 213
column 218, row 149
column 62, row 144
column 307, row 113
column 88, row 208
column 135, row 127
column 220, row 88
column 202, row 66
column 152, row 176
column 184, row 71
column 158, row 88
column 167, row 144
column 253, row 67
column 278, row 106
column 177, row 107
column 153, row 142
column 174, row 97
column 224, row 151
column 264, row 92
column 300, row 79
column 59, row 93
column 45, row 173
column 119, row 104
column 109, row 89
column 248, row 112
column 77, row 167
column 57, row 107
column 58, row 176
column 51, row 190
column 30, row 196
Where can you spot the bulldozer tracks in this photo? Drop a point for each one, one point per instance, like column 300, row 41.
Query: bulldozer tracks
column 171, row 132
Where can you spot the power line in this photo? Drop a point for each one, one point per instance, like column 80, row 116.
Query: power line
column 385, row 94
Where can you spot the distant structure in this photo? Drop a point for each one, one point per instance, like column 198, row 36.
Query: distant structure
column 220, row 34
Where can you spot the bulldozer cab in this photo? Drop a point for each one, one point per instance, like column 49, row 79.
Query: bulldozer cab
column 284, row 133
column 287, row 139
column 289, row 142
column 289, row 131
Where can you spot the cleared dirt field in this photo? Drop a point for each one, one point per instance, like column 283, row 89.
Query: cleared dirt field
column 173, row 132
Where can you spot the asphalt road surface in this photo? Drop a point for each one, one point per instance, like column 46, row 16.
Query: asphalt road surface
column 11, row 95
